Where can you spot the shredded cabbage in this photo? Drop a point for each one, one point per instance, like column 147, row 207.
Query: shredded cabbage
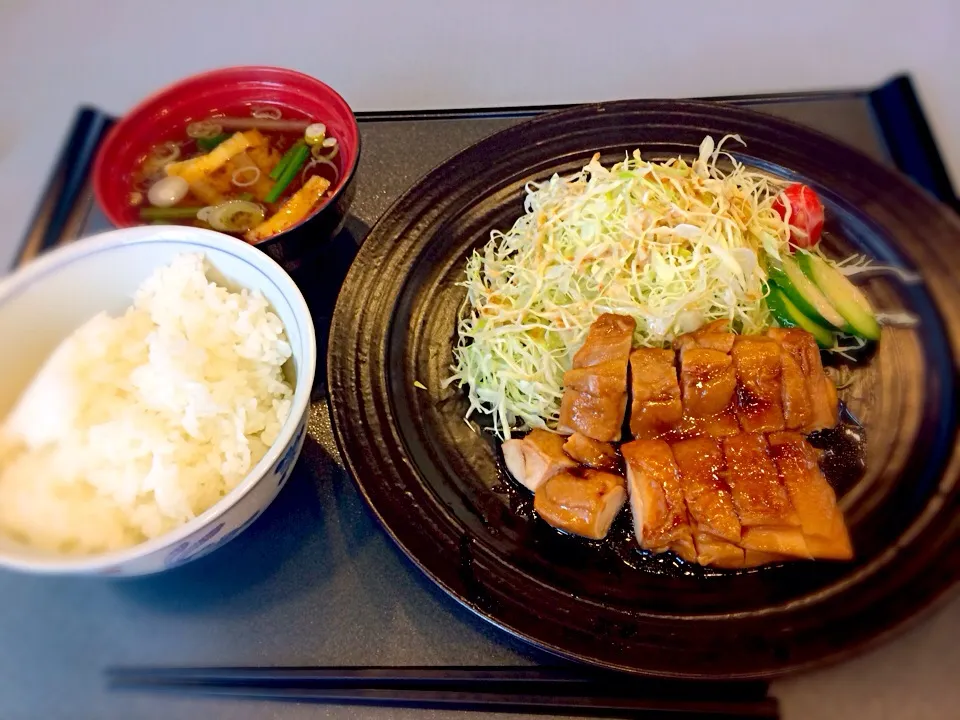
column 861, row 266
column 672, row 244
column 846, row 346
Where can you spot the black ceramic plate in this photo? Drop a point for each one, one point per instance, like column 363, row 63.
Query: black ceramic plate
column 436, row 486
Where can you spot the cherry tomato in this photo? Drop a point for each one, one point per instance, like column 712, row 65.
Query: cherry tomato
column 806, row 214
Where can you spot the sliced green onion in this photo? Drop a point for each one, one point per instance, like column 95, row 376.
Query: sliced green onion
column 204, row 129
column 296, row 162
column 170, row 213
column 315, row 133
column 233, row 216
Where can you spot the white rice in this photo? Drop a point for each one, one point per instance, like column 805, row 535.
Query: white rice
column 139, row 423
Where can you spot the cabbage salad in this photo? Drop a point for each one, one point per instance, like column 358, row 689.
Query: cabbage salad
column 672, row 244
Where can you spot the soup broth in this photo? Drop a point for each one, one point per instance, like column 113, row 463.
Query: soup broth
column 252, row 171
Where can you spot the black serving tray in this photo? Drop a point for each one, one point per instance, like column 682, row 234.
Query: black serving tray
column 314, row 581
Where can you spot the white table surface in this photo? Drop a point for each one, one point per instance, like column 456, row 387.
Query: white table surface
column 56, row 54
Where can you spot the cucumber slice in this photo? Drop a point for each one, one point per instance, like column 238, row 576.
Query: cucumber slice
column 805, row 294
column 842, row 294
column 788, row 315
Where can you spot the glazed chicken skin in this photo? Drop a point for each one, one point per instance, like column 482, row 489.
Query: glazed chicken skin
column 536, row 457
column 802, row 347
column 821, row 521
column 592, row 453
column 595, row 388
column 656, row 406
column 594, row 400
column 609, row 338
column 714, row 335
column 713, row 518
column 769, row 521
column 656, row 499
column 708, row 382
column 583, row 502
column 795, row 399
column 759, row 404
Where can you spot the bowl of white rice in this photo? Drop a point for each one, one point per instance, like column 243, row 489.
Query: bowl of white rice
column 154, row 393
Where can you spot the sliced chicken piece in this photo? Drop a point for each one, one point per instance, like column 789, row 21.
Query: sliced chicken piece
column 715, row 552
column 759, row 404
column 714, row 335
column 711, row 426
column 592, row 453
column 583, row 502
column 720, row 425
column 688, row 427
column 758, row 496
column 609, row 338
column 821, row 520
column 797, row 406
column 769, row 521
column 605, row 379
column 779, row 541
column 656, row 499
column 595, row 389
column 535, row 457
column 595, row 400
column 708, row 497
column 656, row 406
column 756, row 558
column 713, row 520
column 707, row 381
column 801, row 345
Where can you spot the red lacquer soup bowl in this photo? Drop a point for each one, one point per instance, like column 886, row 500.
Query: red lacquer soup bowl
column 232, row 91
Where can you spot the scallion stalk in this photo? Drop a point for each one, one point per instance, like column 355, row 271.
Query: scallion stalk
column 170, row 213
column 296, row 162
column 285, row 160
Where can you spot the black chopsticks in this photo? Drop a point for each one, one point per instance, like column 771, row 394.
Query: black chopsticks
column 58, row 215
column 491, row 689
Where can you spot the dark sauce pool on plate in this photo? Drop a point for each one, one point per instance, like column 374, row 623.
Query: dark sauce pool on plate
column 842, row 460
